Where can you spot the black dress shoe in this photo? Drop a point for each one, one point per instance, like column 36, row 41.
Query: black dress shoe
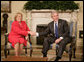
column 44, row 55
column 57, row 58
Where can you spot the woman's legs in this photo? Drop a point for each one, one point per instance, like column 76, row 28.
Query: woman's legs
column 16, row 49
column 20, row 48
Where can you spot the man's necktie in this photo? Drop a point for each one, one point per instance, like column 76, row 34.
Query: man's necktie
column 56, row 30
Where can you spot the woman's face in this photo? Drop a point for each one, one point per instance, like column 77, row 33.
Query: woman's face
column 19, row 17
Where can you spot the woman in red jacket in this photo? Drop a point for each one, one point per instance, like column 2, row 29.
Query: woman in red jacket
column 19, row 34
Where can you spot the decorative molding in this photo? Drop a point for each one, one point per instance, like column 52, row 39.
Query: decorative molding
column 49, row 11
column 4, row 9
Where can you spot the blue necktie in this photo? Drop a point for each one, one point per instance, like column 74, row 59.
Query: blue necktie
column 56, row 30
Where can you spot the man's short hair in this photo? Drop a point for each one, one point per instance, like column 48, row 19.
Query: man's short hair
column 54, row 12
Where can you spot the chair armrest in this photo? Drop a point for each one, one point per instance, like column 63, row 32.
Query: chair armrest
column 6, row 34
column 6, row 39
column 73, row 42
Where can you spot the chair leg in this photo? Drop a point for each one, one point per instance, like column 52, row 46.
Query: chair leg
column 70, row 53
column 56, row 51
column 8, row 52
column 70, row 56
column 31, row 50
column 26, row 51
column 5, row 48
column 74, row 50
column 5, row 52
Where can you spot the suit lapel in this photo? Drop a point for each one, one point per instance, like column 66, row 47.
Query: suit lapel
column 52, row 27
column 59, row 25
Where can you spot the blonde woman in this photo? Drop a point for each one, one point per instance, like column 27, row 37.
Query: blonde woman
column 19, row 34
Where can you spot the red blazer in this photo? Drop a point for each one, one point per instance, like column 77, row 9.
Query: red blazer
column 18, row 32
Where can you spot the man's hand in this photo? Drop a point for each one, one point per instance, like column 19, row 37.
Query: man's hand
column 58, row 40
column 32, row 33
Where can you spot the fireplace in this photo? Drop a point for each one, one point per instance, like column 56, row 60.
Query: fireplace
column 40, row 28
column 38, row 19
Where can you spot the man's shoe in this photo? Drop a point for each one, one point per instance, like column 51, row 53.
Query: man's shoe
column 44, row 55
column 57, row 58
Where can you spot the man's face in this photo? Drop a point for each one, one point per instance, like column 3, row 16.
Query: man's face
column 55, row 17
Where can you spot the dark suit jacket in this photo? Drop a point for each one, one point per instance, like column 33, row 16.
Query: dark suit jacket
column 63, row 29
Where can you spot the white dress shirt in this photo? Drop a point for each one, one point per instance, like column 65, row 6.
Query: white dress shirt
column 57, row 26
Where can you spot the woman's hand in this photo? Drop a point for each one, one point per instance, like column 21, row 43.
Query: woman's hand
column 26, row 37
column 32, row 33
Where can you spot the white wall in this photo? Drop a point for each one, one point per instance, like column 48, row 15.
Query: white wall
column 16, row 6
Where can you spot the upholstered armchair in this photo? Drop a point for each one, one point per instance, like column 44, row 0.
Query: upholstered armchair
column 71, row 47
column 8, row 46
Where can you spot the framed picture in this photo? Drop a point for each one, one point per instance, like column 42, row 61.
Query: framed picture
column 6, row 6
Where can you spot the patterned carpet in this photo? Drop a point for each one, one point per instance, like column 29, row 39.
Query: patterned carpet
column 37, row 53
column 51, row 55
column 24, row 58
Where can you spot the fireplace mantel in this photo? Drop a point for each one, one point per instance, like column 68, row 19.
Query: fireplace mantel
column 48, row 11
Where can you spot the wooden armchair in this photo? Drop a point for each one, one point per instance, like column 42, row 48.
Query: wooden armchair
column 71, row 47
column 8, row 46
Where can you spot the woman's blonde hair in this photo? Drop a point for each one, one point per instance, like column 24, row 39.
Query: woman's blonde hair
column 16, row 16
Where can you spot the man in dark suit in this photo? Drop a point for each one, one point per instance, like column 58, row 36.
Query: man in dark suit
column 59, row 31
